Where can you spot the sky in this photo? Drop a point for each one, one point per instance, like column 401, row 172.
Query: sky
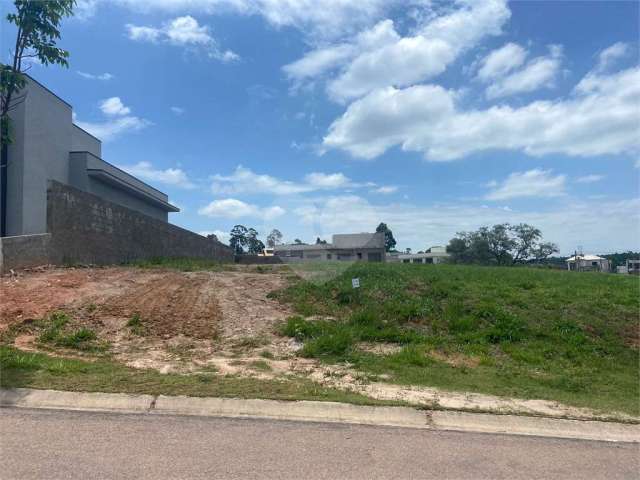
column 330, row 116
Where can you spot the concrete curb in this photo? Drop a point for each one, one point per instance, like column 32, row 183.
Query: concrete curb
column 103, row 402
column 331, row 412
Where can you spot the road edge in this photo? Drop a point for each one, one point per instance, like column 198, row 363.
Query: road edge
column 324, row 412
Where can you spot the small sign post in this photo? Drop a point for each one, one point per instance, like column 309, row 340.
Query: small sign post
column 355, row 282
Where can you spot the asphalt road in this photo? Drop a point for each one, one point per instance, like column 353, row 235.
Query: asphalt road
column 52, row 444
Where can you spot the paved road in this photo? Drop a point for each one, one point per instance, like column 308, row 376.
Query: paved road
column 61, row 444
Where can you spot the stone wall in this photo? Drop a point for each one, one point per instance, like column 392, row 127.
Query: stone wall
column 24, row 251
column 85, row 228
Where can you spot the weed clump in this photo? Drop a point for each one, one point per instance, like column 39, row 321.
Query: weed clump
column 135, row 324
column 58, row 333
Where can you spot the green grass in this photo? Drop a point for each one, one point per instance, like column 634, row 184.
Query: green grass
column 135, row 325
column 37, row 370
column 57, row 332
column 528, row 333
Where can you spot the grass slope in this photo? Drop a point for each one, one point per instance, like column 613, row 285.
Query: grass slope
column 522, row 332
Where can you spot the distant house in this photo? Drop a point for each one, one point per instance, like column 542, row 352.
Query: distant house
column 367, row 247
column 633, row 266
column 586, row 263
column 433, row 255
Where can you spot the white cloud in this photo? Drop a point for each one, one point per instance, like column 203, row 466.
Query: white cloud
column 112, row 128
column 182, row 31
column 590, row 178
column 171, row 176
column 177, row 110
column 85, row 9
column 143, row 34
column 233, row 208
column 102, row 76
column 610, row 55
column 385, row 190
column 539, row 72
column 501, row 61
column 244, row 180
column 330, row 181
column 598, row 226
column 380, row 56
column 532, row 183
column 186, row 31
column 114, row 107
column 318, row 61
column 318, row 19
column 600, row 117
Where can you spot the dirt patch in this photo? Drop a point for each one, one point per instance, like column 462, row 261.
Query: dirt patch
column 168, row 304
column 455, row 359
column 185, row 320
column 379, row 348
column 32, row 294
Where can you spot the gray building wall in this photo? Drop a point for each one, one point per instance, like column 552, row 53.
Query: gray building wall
column 48, row 146
column 42, row 136
column 46, row 154
column 82, row 141
column 90, row 173
column 14, row 172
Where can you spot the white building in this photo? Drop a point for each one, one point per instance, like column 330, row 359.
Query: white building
column 586, row 263
column 434, row 255
column 633, row 266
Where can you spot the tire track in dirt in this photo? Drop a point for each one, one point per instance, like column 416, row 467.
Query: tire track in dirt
column 170, row 304
column 243, row 301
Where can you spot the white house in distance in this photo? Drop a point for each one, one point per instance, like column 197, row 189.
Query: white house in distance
column 588, row 263
column 433, row 255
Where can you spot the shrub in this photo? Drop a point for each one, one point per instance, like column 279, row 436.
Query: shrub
column 506, row 328
column 301, row 329
column 335, row 344
column 135, row 324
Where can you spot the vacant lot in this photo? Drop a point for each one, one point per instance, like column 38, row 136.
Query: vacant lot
column 415, row 334
column 518, row 332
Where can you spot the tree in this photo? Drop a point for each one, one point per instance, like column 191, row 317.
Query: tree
column 238, row 239
column 407, row 250
column 213, row 236
column 37, row 25
column 254, row 246
column 525, row 239
column 502, row 244
column 297, row 241
column 389, row 241
column 320, row 242
column 544, row 251
column 274, row 238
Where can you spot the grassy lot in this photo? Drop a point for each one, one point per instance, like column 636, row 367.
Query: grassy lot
column 38, row 370
column 521, row 332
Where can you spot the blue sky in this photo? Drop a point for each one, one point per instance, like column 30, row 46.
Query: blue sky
column 328, row 116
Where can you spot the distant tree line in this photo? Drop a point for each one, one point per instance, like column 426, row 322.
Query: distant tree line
column 502, row 244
